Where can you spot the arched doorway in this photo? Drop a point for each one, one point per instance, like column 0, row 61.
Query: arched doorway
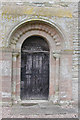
column 56, row 40
column 34, row 69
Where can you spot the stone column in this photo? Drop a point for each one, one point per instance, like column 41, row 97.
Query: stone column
column 18, row 76
column 57, row 59
column 14, row 77
column 57, row 73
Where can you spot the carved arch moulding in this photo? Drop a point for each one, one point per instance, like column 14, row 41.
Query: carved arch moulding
column 39, row 26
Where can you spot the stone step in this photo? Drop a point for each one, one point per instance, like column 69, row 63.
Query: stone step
column 32, row 102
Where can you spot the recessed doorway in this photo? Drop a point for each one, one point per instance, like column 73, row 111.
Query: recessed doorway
column 35, row 69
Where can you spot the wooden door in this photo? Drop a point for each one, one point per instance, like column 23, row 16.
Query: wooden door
column 34, row 75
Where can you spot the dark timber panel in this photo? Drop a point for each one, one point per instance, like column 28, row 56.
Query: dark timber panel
column 34, row 69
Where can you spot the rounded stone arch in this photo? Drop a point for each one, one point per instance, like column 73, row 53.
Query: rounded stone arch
column 37, row 24
column 56, row 40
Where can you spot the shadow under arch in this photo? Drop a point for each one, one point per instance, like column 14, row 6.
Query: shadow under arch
column 38, row 40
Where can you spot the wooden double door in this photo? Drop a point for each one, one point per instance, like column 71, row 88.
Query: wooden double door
column 34, row 75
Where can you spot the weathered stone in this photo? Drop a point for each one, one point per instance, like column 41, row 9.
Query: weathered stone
column 63, row 17
column 29, row 10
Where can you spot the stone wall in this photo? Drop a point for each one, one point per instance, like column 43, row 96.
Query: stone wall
column 64, row 14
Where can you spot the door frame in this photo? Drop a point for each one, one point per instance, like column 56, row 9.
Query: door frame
column 56, row 40
column 17, row 57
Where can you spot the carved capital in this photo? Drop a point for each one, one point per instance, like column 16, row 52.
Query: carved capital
column 56, row 54
column 16, row 54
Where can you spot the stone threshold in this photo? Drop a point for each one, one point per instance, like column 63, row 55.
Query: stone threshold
column 32, row 102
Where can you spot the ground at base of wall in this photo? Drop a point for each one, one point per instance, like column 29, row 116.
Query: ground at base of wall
column 40, row 111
